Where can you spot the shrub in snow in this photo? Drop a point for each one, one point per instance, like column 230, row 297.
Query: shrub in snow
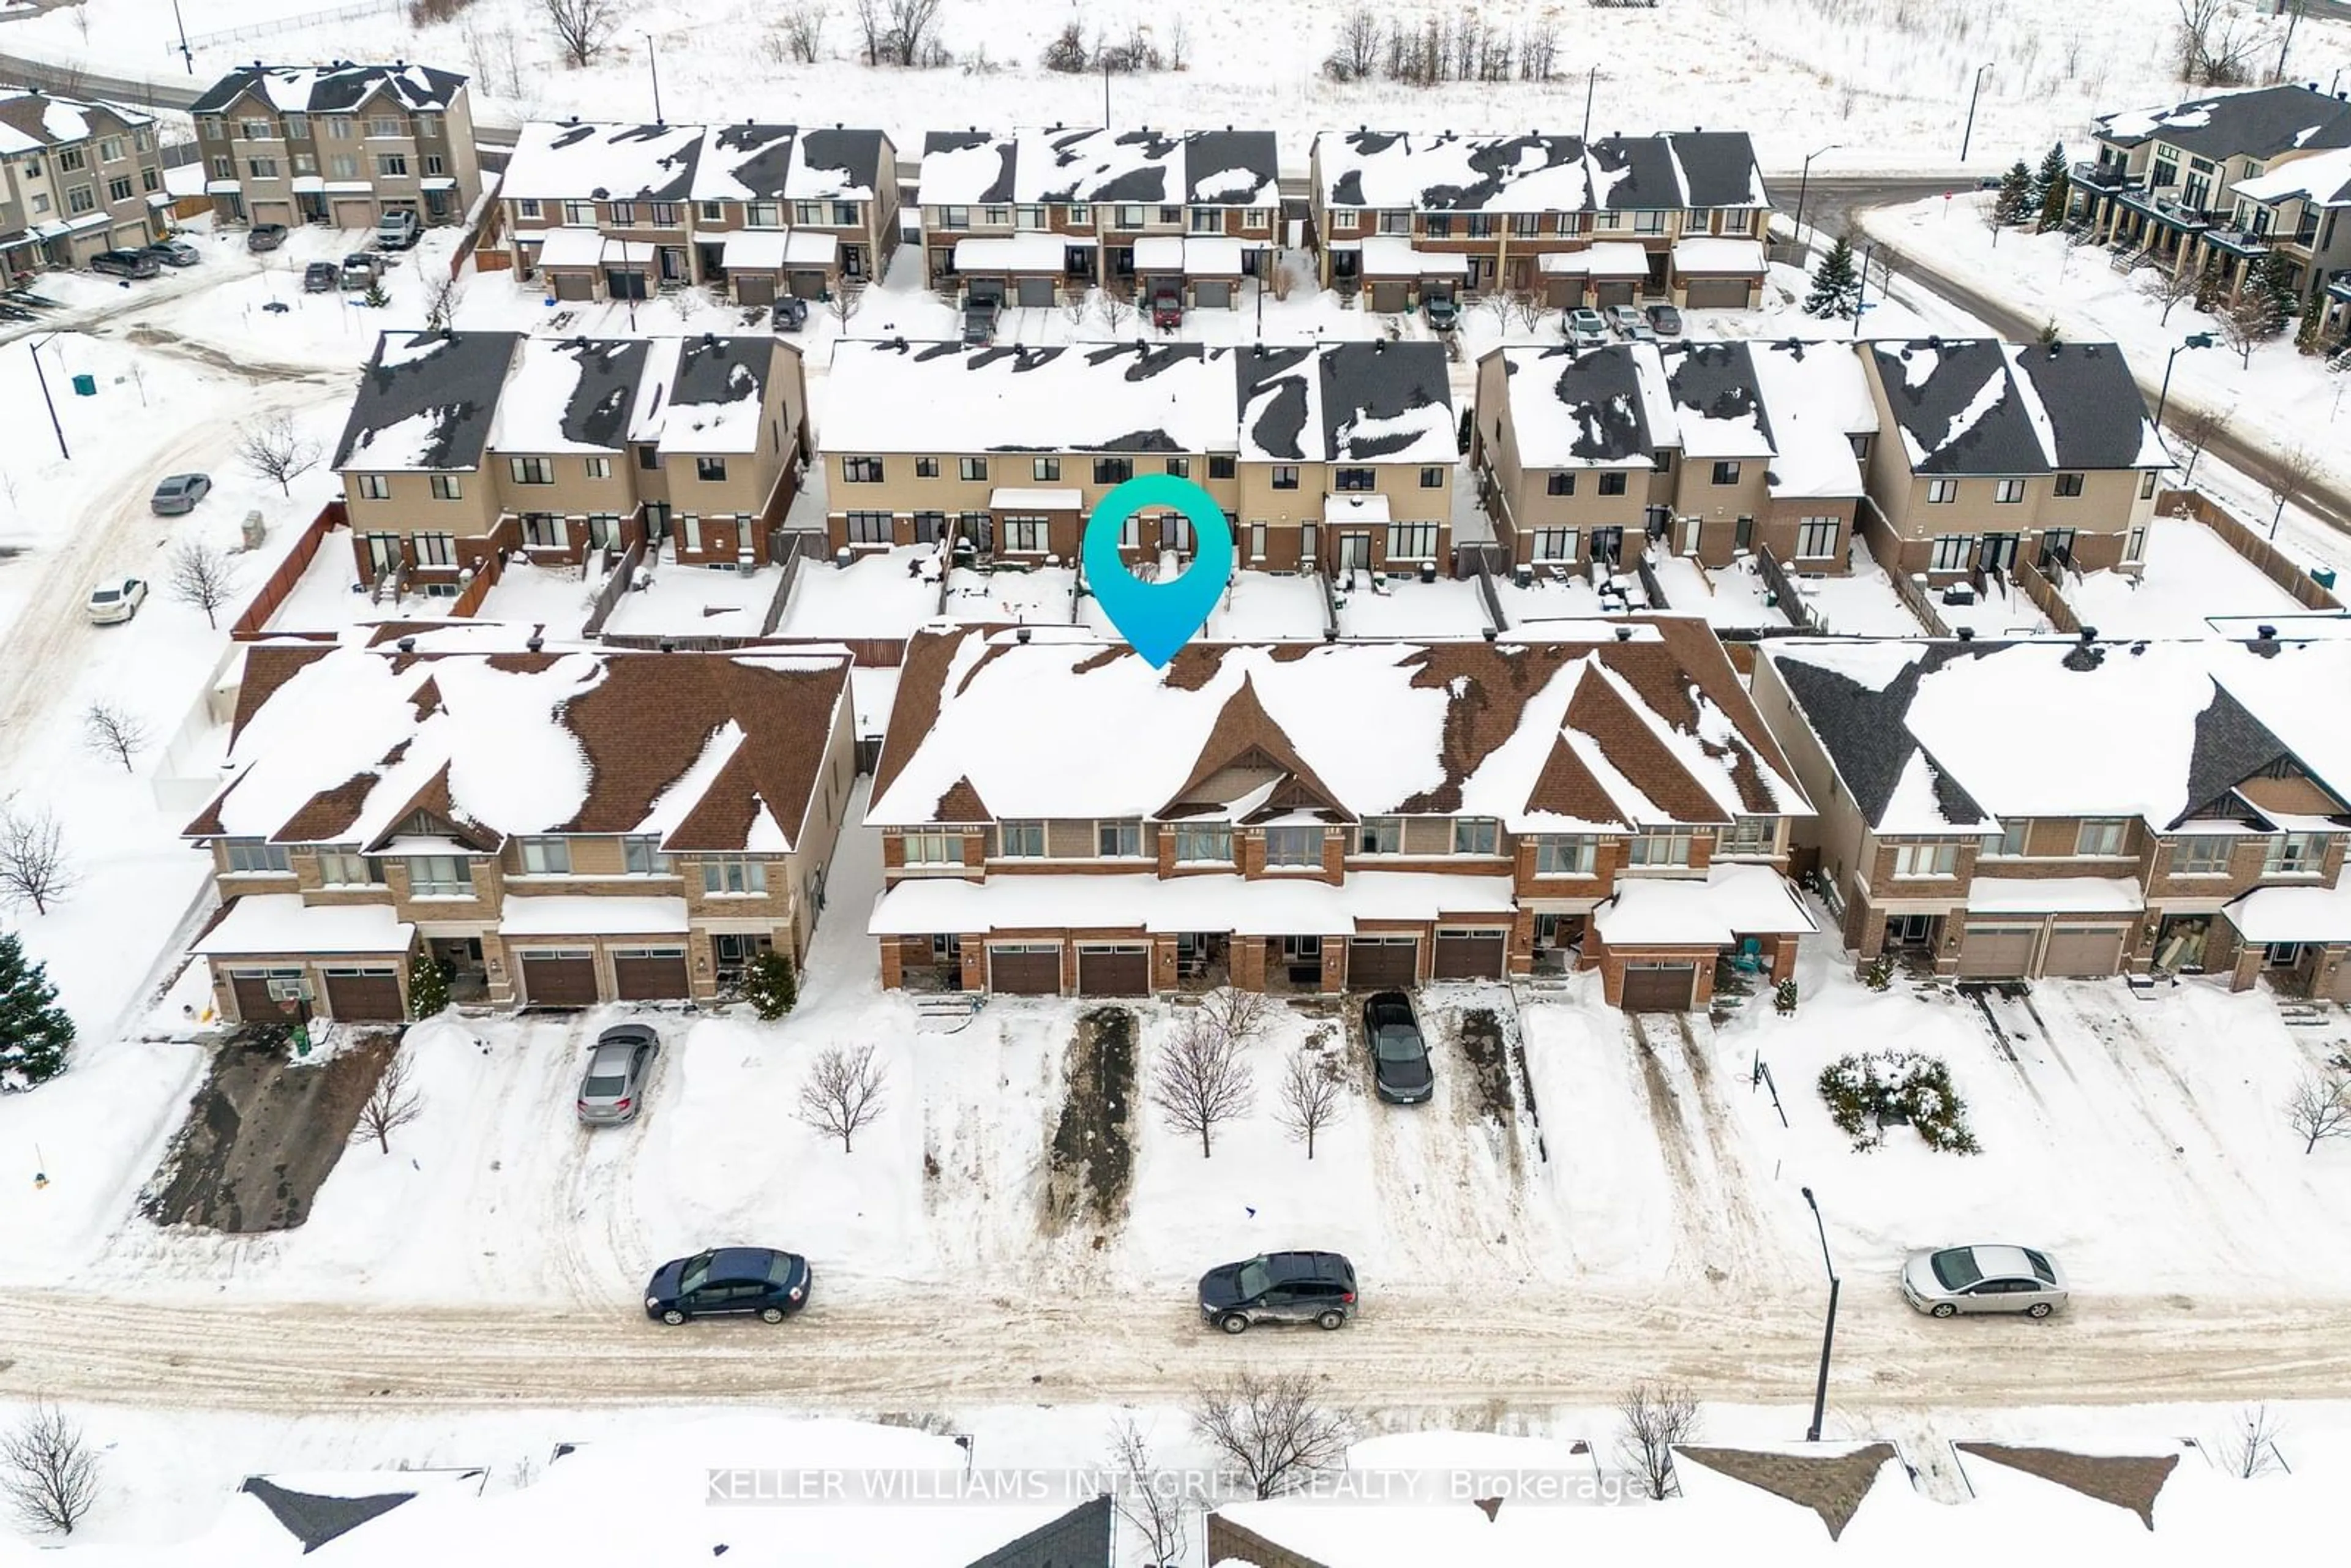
column 1783, row 995
column 769, row 985
column 1865, row 1091
column 1879, row 976
column 34, row 1030
column 428, row 987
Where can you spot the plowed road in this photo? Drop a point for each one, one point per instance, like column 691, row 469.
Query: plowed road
column 915, row 1349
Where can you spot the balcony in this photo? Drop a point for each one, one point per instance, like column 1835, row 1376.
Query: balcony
column 2236, row 241
column 2105, row 177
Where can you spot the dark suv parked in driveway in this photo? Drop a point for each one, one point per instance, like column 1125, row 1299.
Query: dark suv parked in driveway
column 1280, row 1288
column 125, row 264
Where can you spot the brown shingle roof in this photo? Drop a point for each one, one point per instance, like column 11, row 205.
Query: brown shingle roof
column 1242, row 727
column 2131, row 1482
column 1601, row 711
column 1566, row 787
column 1832, row 1488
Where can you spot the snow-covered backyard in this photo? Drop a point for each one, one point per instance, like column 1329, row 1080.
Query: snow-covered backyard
column 2191, row 577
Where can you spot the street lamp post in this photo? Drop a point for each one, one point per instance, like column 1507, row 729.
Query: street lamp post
column 1968, row 135
column 1828, row 1334
column 37, row 373
column 2194, row 340
column 1861, row 296
column 653, row 64
column 1803, row 182
column 1591, row 85
column 185, row 53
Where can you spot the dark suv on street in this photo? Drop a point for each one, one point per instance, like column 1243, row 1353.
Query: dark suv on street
column 1280, row 1288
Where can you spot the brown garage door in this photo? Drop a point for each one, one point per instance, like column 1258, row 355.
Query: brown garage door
column 1377, row 962
column 366, row 994
column 1996, row 952
column 274, row 212
column 253, row 1003
column 1031, row 969
column 647, row 974
column 808, row 285
column 1469, row 954
column 2084, row 950
column 559, row 977
column 1113, row 971
column 573, row 285
column 1614, row 291
column 1659, row 987
column 354, row 215
column 1389, row 294
column 754, row 288
column 1717, row 293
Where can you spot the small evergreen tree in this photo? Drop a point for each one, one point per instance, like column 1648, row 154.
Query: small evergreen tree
column 428, row 986
column 2014, row 200
column 2048, row 333
column 2273, row 278
column 769, row 985
column 2050, row 172
column 1783, row 995
column 34, row 1030
column 2306, row 337
column 2055, row 201
column 375, row 298
column 1836, row 286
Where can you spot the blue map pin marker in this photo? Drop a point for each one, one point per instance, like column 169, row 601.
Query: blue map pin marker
column 1158, row 618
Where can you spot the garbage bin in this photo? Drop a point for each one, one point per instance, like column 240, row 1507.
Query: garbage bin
column 2323, row 575
column 85, row 386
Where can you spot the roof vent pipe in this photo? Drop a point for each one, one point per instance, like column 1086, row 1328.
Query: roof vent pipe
column 1967, row 633
column 2268, row 633
column 1624, row 634
column 1491, row 633
column 2089, row 635
column 1022, row 634
column 408, row 644
column 535, row 642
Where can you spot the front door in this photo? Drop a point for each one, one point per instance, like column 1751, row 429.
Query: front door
column 383, row 554
column 1909, row 930
column 2056, row 548
column 1996, row 553
column 1355, row 552
column 1310, row 546
column 1607, row 544
column 731, row 950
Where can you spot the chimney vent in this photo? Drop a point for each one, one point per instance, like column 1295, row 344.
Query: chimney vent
column 408, row 644
column 1491, row 633
column 1967, row 633
column 2268, row 633
column 2089, row 633
column 535, row 642
column 1022, row 634
column 1624, row 634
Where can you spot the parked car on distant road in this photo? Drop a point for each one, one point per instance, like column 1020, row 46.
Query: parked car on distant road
column 1664, row 321
column 265, row 236
column 398, row 229
column 112, row 603
column 1400, row 1070
column 729, row 1281
column 321, row 278
column 175, row 253
column 180, row 493
column 125, row 264
column 1953, row 1279
column 611, row 1089
column 1584, row 327
column 1280, row 1288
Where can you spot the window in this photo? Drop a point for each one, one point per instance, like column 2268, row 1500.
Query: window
column 763, row 215
column 624, row 214
column 2134, row 544
column 972, row 468
column 712, row 212
column 2147, row 486
column 262, row 168
column 1649, row 223
column 1207, row 220
column 2204, row 854
column 223, row 169
column 1559, row 485
column 926, row 467
column 339, row 127
column 1113, row 470
column 930, row 528
column 1204, row 842
column 1554, row 544
column 1285, row 476
column 1256, row 541
column 1171, row 214
column 531, row 470
column 735, row 875
column 1026, row 217
column 1045, row 469
column 1726, row 473
column 860, row 470
column 211, row 127
column 2294, row 855
column 1816, row 537
column 994, row 218
column 661, row 215
column 1475, row 836
column 546, row 856
column 710, row 470
column 1380, row 836
column 1353, row 479
column 385, row 125
column 2008, row 842
column 1942, row 492
column 2067, row 485
column 1926, row 859
column 1613, row 484
column 1220, row 467
column 256, row 855
column 808, row 211
column 1570, row 223
column 110, row 149
column 1027, row 536
column 1481, row 225
column 1396, row 221
column 373, row 487
column 598, row 467
column 870, row 528
column 391, row 164
column 434, row 549
column 1082, row 215
column 544, row 531
column 1951, row 552
column 1412, row 541
column 1120, row 840
column 2099, row 836
column 1525, row 226
column 1560, row 855
column 2008, row 492
column 342, row 865
column 1179, row 467
column 439, row 876
column 346, row 166
column 939, row 847
column 1293, row 846
column 1020, row 840
column 1748, row 836
column 120, row 188
column 247, row 129
column 1659, row 849
column 1437, row 225
column 448, row 487
column 306, row 163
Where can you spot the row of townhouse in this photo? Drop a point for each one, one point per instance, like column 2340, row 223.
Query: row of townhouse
column 459, row 445
column 342, row 144
column 618, row 212
column 1331, row 457
column 1403, row 216
column 2006, row 809
column 2213, row 185
column 77, row 177
column 552, row 828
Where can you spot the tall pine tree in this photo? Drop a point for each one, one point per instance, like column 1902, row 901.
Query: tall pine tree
column 2015, row 194
column 2273, row 278
column 1836, row 287
column 2052, row 169
column 34, row 1030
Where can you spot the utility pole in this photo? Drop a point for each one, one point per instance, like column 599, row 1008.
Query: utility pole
column 1591, row 83
column 1969, row 133
column 653, row 64
column 1105, row 95
column 54, row 423
column 1861, row 300
column 185, row 53
column 2293, row 10
column 1828, row 1335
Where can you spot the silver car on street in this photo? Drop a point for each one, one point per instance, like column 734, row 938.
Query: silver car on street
column 1949, row 1280
column 612, row 1090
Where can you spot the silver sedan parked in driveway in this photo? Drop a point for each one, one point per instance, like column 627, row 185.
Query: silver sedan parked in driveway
column 612, row 1090
column 1954, row 1280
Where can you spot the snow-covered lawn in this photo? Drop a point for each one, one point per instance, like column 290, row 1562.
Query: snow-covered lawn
column 2000, row 612
column 1039, row 597
column 884, row 593
column 1408, row 607
column 2192, row 576
column 1733, row 598
column 1266, row 605
column 1860, row 603
column 696, row 601
column 555, row 597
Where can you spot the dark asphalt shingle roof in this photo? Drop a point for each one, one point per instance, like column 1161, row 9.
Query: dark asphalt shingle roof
column 1863, row 729
column 857, row 153
column 1955, row 401
column 1714, row 382
column 313, row 1519
column 2231, row 746
column 2096, row 415
column 757, row 157
column 1601, row 390
column 326, row 90
column 2260, row 123
column 1000, row 189
column 597, row 412
column 1378, row 380
column 1210, row 153
column 438, row 391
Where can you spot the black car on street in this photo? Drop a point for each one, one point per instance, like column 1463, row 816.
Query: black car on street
column 1280, row 1288
column 729, row 1281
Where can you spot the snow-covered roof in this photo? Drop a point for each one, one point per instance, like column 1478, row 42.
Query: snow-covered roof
column 2260, row 123
column 31, row 120
column 1729, row 901
column 2054, row 895
column 1140, row 167
column 1978, row 406
column 1817, row 398
column 753, row 250
column 2293, row 914
column 1444, row 171
column 1615, row 258
column 2322, row 179
column 1953, row 737
column 426, row 400
column 1030, row 251
column 704, row 395
column 569, row 394
column 1394, row 255
column 1713, row 255
column 1596, row 408
column 1272, row 906
column 338, row 88
column 1564, row 736
column 1352, row 403
column 583, row 161
column 1718, row 403
column 367, row 746
column 263, row 924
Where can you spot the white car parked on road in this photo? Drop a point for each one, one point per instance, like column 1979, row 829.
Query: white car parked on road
column 112, row 602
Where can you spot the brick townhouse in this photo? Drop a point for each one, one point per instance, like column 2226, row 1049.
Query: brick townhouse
column 1331, row 457
column 2026, row 808
column 554, row 829
column 341, row 144
column 1059, row 817
column 77, row 177
column 462, row 444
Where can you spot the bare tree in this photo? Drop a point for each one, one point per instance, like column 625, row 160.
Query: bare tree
column 1179, row 43
column 842, row 1092
column 910, row 24
column 2321, row 1107
column 1358, row 50
column 2287, row 475
column 803, row 26
column 48, row 1469
column 392, row 1104
column 1529, row 306
column 1201, row 1081
column 2247, row 322
column 1114, row 307
column 1075, row 306
column 581, row 28
column 33, row 866
column 1144, row 1498
column 1239, row 1015
column 873, row 24
column 276, row 451
column 1312, row 1096
column 2192, row 432
column 847, row 299
column 202, row 575
column 112, row 731
column 2167, row 286
column 441, row 297
column 1656, row 1417
column 2215, row 49
column 2252, row 1448
column 1274, row 1430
